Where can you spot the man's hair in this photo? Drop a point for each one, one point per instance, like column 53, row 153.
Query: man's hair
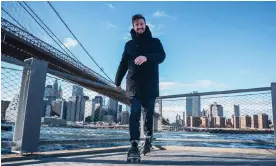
column 137, row 17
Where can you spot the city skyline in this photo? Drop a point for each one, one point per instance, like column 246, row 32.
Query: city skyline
column 254, row 102
column 242, row 112
column 259, row 121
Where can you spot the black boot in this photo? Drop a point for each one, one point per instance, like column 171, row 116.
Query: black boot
column 147, row 146
column 133, row 155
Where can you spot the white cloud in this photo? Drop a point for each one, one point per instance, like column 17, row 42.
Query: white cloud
column 110, row 6
column 70, row 43
column 197, row 84
column 159, row 13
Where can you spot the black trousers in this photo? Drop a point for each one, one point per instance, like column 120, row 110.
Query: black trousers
column 135, row 115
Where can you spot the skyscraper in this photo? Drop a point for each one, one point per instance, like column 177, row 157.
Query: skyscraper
column 204, row 122
column 220, row 122
column 124, row 117
column 193, row 106
column 80, row 107
column 71, row 109
column 263, row 121
column 119, row 112
column 88, row 108
column 76, row 108
column 98, row 113
column 228, row 123
column 113, row 106
column 236, row 122
column 178, row 120
column 48, row 91
column 96, row 102
column 236, row 110
column 204, row 113
column 188, row 121
column 211, row 122
column 99, row 100
column 55, row 90
column 195, row 121
column 254, row 121
column 57, row 107
column 77, row 91
column 63, row 110
column 216, row 109
column 245, row 121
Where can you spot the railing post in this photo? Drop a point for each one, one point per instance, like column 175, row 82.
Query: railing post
column 160, row 107
column 28, row 120
column 273, row 96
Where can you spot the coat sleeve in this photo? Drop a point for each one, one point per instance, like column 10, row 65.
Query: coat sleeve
column 122, row 69
column 159, row 54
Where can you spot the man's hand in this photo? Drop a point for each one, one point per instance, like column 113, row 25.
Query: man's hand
column 119, row 88
column 140, row 60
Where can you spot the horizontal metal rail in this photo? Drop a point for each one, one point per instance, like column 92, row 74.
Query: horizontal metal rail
column 14, row 61
column 216, row 92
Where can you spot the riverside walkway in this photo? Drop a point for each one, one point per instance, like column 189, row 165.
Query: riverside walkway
column 165, row 155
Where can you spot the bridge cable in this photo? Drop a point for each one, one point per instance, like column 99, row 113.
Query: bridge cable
column 44, row 28
column 79, row 42
column 20, row 17
column 50, row 30
column 46, row 32
column 13, row 19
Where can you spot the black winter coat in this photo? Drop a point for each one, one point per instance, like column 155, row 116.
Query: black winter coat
column 141, row 81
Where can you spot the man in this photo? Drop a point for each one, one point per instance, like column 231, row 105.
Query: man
column 141, row 58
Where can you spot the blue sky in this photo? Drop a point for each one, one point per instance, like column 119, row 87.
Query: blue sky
column 209, row 45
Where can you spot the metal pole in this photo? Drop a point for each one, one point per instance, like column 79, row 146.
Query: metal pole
column 160, row 107
column 27, row 127
column 273, row 97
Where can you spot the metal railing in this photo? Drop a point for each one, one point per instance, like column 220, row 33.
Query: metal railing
column 69, row 122
column 241, row 115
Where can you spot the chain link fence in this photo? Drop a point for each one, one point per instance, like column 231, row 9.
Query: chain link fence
column 232, row 120
column 75, row 117
column 10, row 89
column 72, row 115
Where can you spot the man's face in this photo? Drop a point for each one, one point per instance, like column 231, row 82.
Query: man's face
column 139, row 26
